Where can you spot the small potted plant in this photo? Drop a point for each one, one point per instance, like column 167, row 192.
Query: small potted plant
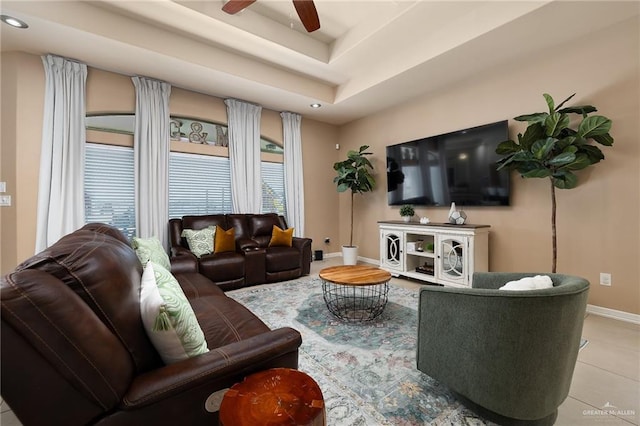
column 407, row 212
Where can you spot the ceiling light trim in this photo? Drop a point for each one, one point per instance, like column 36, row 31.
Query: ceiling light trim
column 14, row 22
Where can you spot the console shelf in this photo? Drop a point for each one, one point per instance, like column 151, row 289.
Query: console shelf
column 458, row 251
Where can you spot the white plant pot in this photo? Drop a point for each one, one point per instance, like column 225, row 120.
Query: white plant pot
column 349, row 255
column 406, row 218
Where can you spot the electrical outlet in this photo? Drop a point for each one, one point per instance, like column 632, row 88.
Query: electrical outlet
column 605, row 279
column 5, row 200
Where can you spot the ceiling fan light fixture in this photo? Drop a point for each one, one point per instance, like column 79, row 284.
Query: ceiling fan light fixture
column 305, row 8
column 236, row 6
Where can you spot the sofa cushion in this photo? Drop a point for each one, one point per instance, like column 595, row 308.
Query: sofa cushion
column 53, row 321
column 201, row 222
column 222, row 267
column 105, row 273
column 226, row 321
column 151, row 249
column 282, row 259
column 168, row 317
column 280, row 237
column 224, row 240
column 240, row 224
column 262, row 224
column 196, row 285
column 200, row 241
column 106, row 229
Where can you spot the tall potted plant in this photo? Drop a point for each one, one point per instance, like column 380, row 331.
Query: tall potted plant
column 354, row 174
column 550, row 148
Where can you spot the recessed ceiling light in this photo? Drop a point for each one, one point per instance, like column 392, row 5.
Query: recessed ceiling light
column 14, row 22
column 316, row 105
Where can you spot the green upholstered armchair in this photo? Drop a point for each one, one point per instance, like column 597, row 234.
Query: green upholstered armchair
column 509, row 354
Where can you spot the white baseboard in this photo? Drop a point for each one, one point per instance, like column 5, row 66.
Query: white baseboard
column 363, row 259
column 612, row 313
column 336, row 254
column 369, row 260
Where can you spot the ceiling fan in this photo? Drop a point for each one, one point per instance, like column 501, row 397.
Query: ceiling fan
column 305, row 8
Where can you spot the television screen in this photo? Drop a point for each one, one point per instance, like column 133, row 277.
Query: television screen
column 455, row 167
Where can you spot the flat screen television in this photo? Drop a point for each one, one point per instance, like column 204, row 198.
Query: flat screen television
column 455, row 167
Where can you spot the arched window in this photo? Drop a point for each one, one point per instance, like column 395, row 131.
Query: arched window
column 199, row 171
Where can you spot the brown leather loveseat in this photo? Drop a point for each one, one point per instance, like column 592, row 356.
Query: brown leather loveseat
column 75, row 352
column 253, row 261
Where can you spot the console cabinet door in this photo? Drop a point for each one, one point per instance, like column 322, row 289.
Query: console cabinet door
column 453, row 260
column 391, row 246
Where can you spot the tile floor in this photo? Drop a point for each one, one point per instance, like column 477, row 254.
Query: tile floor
column 606, row 381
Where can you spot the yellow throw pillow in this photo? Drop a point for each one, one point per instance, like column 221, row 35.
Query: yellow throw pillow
column 225, row 240
column 280, row 237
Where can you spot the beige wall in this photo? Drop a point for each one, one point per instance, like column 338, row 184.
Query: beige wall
column 598, row 222
column 598, row 227
column 22, row 106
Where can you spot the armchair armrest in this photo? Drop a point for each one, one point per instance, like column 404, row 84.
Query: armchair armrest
column 214, row 370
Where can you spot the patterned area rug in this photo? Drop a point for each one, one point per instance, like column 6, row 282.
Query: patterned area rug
column 367, row 371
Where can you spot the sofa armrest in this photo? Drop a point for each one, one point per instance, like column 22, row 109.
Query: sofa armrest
column 255, row 267
column 304, row 247
column 301, row 243
column 217, row 369
column 182, row 260
column 245, row 244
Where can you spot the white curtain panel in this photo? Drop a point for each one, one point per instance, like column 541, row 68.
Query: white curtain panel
column 61, row 183
column 244, row 156
column 151, row 157
column 293, row 174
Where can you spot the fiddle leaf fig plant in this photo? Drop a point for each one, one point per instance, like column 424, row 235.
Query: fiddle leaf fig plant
column 553, row 147
column 354, row 174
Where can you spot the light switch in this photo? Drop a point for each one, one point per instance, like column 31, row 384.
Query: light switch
column 3, row 186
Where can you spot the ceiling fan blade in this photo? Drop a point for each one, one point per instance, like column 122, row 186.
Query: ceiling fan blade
column 234, row 6
column 308, row 14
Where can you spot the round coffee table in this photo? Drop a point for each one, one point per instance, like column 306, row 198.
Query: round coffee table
column 279, row 396
column 355, row 292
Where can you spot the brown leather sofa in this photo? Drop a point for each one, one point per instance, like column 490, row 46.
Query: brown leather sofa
column 253, row 262
column 74, row 350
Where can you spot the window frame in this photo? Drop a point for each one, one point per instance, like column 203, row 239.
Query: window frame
column 100, row 133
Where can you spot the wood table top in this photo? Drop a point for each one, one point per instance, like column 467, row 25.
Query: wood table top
column 355, row 275
column 278, row 396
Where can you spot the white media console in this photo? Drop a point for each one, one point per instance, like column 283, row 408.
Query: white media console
column 439, row 253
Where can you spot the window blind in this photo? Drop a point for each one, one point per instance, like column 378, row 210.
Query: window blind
column 273, row 188
column 109, row 186
column 198, row 185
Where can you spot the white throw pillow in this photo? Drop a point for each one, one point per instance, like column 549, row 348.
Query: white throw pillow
column 168, row 317
column 529, row 283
